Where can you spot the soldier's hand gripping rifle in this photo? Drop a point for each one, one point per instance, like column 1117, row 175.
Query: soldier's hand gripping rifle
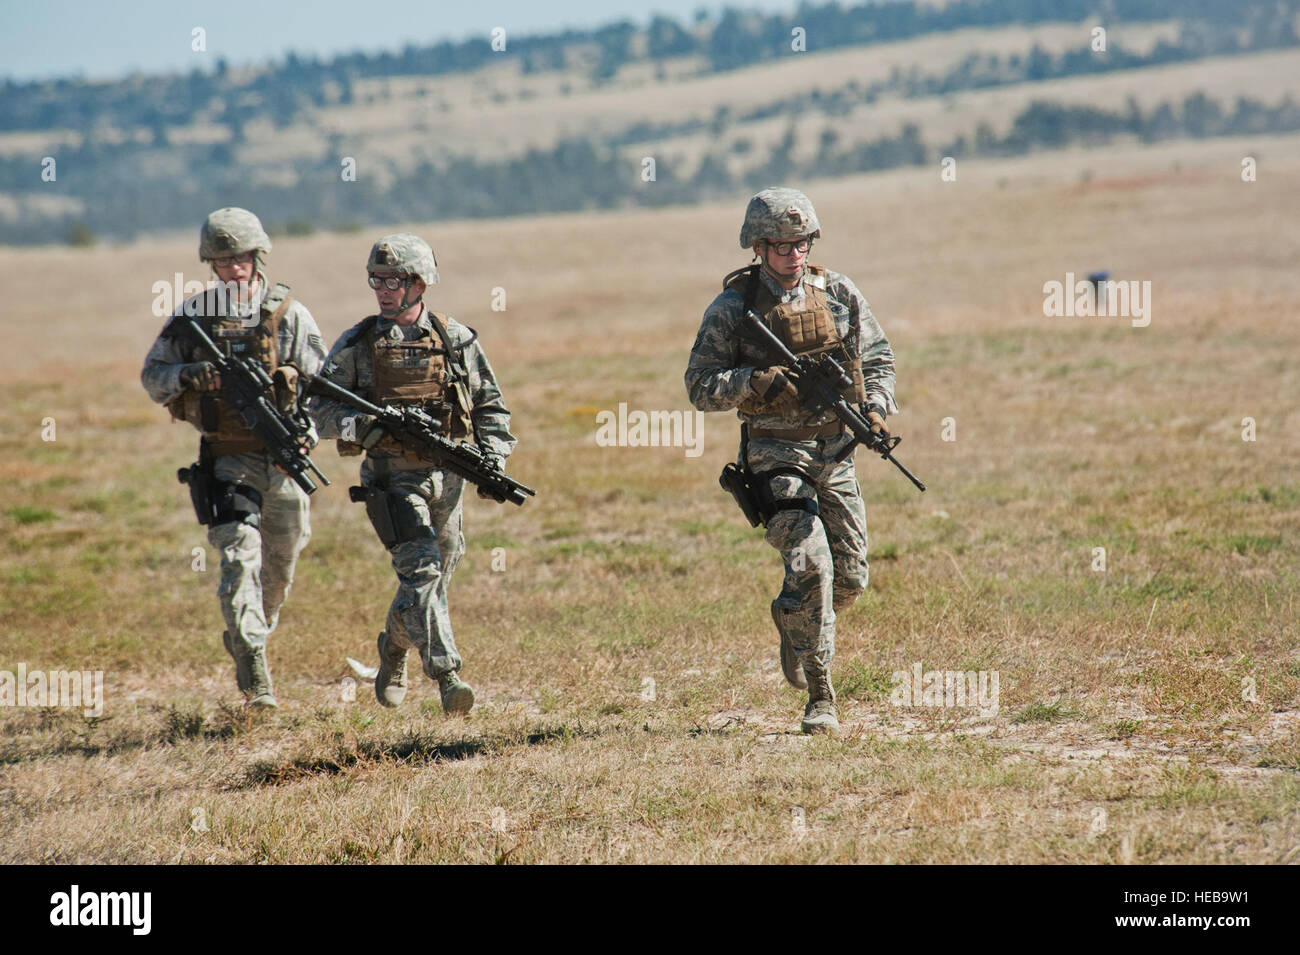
column 820, row 378
column 247, row 388
column 418, row 432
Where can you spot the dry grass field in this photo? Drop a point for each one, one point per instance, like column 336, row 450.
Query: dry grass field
column 1147, row 713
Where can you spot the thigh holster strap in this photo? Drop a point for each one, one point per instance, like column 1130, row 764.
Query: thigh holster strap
column 772, row 505
column 238, row 502
column 796, row 504
column 393, row 516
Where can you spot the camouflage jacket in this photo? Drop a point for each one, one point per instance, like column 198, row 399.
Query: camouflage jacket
column 722, row 359
column 299, row 344
column 349, row 365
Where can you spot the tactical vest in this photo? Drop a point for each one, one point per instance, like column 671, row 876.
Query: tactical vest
column 221, row 425
column 426, row 372
column 805, row 326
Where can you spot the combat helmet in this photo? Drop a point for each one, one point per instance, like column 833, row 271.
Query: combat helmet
column 403, row 253
column 232, row 231
column 779, row 213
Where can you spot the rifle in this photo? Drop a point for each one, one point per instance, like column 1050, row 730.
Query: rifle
column 419, row 432
column 246, row 387
column 820, row 378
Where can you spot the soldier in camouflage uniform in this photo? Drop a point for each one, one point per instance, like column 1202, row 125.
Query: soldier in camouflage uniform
column 408, row 355
column 262, row 521
column 808, row 495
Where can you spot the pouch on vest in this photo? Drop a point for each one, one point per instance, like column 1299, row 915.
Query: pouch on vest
column 806, row 326
column 206, row 411
column 285, row 385
column 418, row 373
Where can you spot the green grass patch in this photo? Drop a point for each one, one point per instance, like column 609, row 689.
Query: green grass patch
column 1245, row 543
column 24, row 514
column 1286, row 495
column 864, row 682
column 1122, row 729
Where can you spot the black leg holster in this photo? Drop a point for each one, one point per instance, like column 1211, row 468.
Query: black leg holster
column 393, row 516
column 219, row 502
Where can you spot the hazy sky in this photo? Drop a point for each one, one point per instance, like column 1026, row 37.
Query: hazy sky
column 109, row 38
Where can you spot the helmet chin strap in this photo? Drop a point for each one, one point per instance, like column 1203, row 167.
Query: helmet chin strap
column 403, row 305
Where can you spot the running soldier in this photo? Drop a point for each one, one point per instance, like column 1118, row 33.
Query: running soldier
column 257, row 517
column 808, row 498
column 410, row 356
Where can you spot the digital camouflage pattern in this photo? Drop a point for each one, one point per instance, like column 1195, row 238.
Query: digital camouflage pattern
column 418, row 617
column 825, row 555
column 257, row 563
column 403, row 253
column 779, row 213
column 232, row 231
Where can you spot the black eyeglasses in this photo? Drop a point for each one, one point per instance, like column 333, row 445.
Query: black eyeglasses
column 226, row 261
column 390, row 282
column 785, row 248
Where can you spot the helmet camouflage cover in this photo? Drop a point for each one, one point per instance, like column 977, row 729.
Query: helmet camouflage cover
column 779, row 213
column 231, row 231
column 403, row 253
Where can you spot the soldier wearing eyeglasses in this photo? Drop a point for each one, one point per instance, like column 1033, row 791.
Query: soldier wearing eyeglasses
column 798, row 459
column 408, row 355
column 261, row 521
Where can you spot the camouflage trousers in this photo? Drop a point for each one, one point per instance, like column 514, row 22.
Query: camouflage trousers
column 257, row 562
column 825, row 554
column 418, row 618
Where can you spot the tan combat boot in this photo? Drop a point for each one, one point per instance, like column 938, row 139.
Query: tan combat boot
column 790, row 664
column 457, row 695
column 251, row 674
column 390, row 681
column 260, row 693
column 819, row 716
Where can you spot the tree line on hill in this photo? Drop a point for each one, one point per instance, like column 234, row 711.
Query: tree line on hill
column 735, row 39
column 580, row 174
